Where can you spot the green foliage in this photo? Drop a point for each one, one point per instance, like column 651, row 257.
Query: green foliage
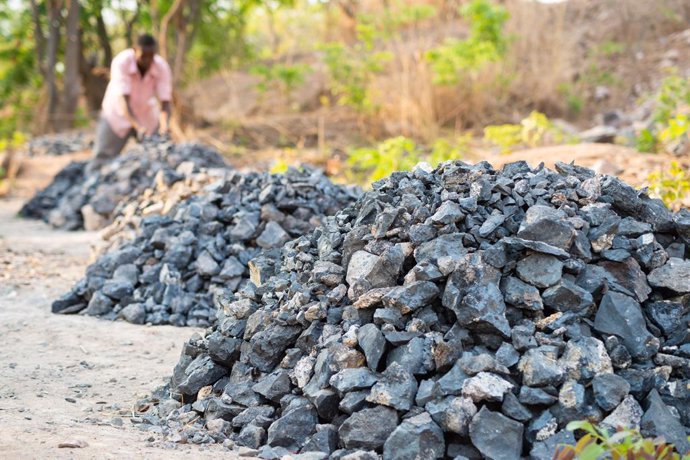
column 280, row 166
column 486, row 43
column 574, row 101
column 351, row 68
column 646, row 141
column 531, row 132
column 400, row 153
column 671, row 116
column 287, row 77
column 597, row 443
column 672, row 185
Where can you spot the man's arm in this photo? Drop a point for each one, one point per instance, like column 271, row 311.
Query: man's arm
column 129, row 114
column 164, row 123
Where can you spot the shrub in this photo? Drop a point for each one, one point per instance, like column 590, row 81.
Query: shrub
column 670, row 118
column 486, row 42
column 672, row 185
column 369, row 164
column 623, row 444
column 532, row 131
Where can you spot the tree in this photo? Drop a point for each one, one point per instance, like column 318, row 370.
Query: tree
column 72, row 87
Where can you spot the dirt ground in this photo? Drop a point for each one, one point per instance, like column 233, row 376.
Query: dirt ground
column 72, row 378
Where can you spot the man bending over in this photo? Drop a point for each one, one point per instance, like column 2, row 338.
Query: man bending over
column 140, row 82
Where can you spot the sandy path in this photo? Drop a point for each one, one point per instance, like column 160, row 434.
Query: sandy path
column 71, row 377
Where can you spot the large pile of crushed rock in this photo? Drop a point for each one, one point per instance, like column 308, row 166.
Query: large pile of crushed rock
column 78, row 198
column 167, row 273
column 459, row 313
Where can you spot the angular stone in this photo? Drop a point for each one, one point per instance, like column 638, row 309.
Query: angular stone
column 540, row 270
column 584, row 358
column 539, row 368
column 453, row 414
column 411, row 297
column 293, row 429
column 496, row 436
column 353, row 379
column 674, row 275
column 485, row 387
column 273, row 236
column 520, row 294
column 134, row 313
column 609, row 390
column 372, row 343
column 658, row 421
column 482, row 309
column 628, row 415
column 274, row 386
column 368, row 428
column 417, row 437
column 396, row 388
column 567, row 296
column 621, row 315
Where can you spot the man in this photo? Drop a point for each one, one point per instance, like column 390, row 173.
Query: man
column 140, row 79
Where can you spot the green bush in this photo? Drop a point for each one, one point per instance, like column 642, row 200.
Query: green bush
column 597, row 443
column 672, row 185
column 369, row 164
column 286, row 77
column 531, row 132
column 670, row 118
column 485, row 43
column 351, row 68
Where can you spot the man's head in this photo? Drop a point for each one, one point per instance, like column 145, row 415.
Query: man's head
column 145, row 50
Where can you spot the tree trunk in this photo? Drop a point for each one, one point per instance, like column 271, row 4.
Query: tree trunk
column 39, row 37
column 54, row 7
column 129, row 27
column 186, row 26
column 104, row 40
column 71, row 86
column 174, row 10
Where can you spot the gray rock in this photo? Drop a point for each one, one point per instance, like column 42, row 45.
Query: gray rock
column 485, row 387
column 293, row 429
column 621, row 315
column 628, row 414
column 567, row 296
column 415, row 438
column 396, row 388
column 453, row 414
column 372, row 343
column 535, row 397
column 482, row 309
column 584, row 358
column 324, row 440
column 514, row 409
column 520, row 294
column 496, row 436
column 202, row 371
column 353, row 379
column 658, row 421
column 540, row 270
column 273, row 236
column 368, row 428
column 609, row 390
column 206, row 264
column 273, row 386
column 134, row 313
column 674, row 275
column 545, row 449
column 411, row 297
column 540, row 368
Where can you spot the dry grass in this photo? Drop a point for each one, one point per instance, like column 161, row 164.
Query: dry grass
column 556, row 58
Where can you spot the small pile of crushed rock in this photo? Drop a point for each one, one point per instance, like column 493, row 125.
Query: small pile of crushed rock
column 457, row 313
column 79, row 198
column 167, row 266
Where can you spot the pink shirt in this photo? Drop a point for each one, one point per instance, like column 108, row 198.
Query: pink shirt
column 144, row 92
